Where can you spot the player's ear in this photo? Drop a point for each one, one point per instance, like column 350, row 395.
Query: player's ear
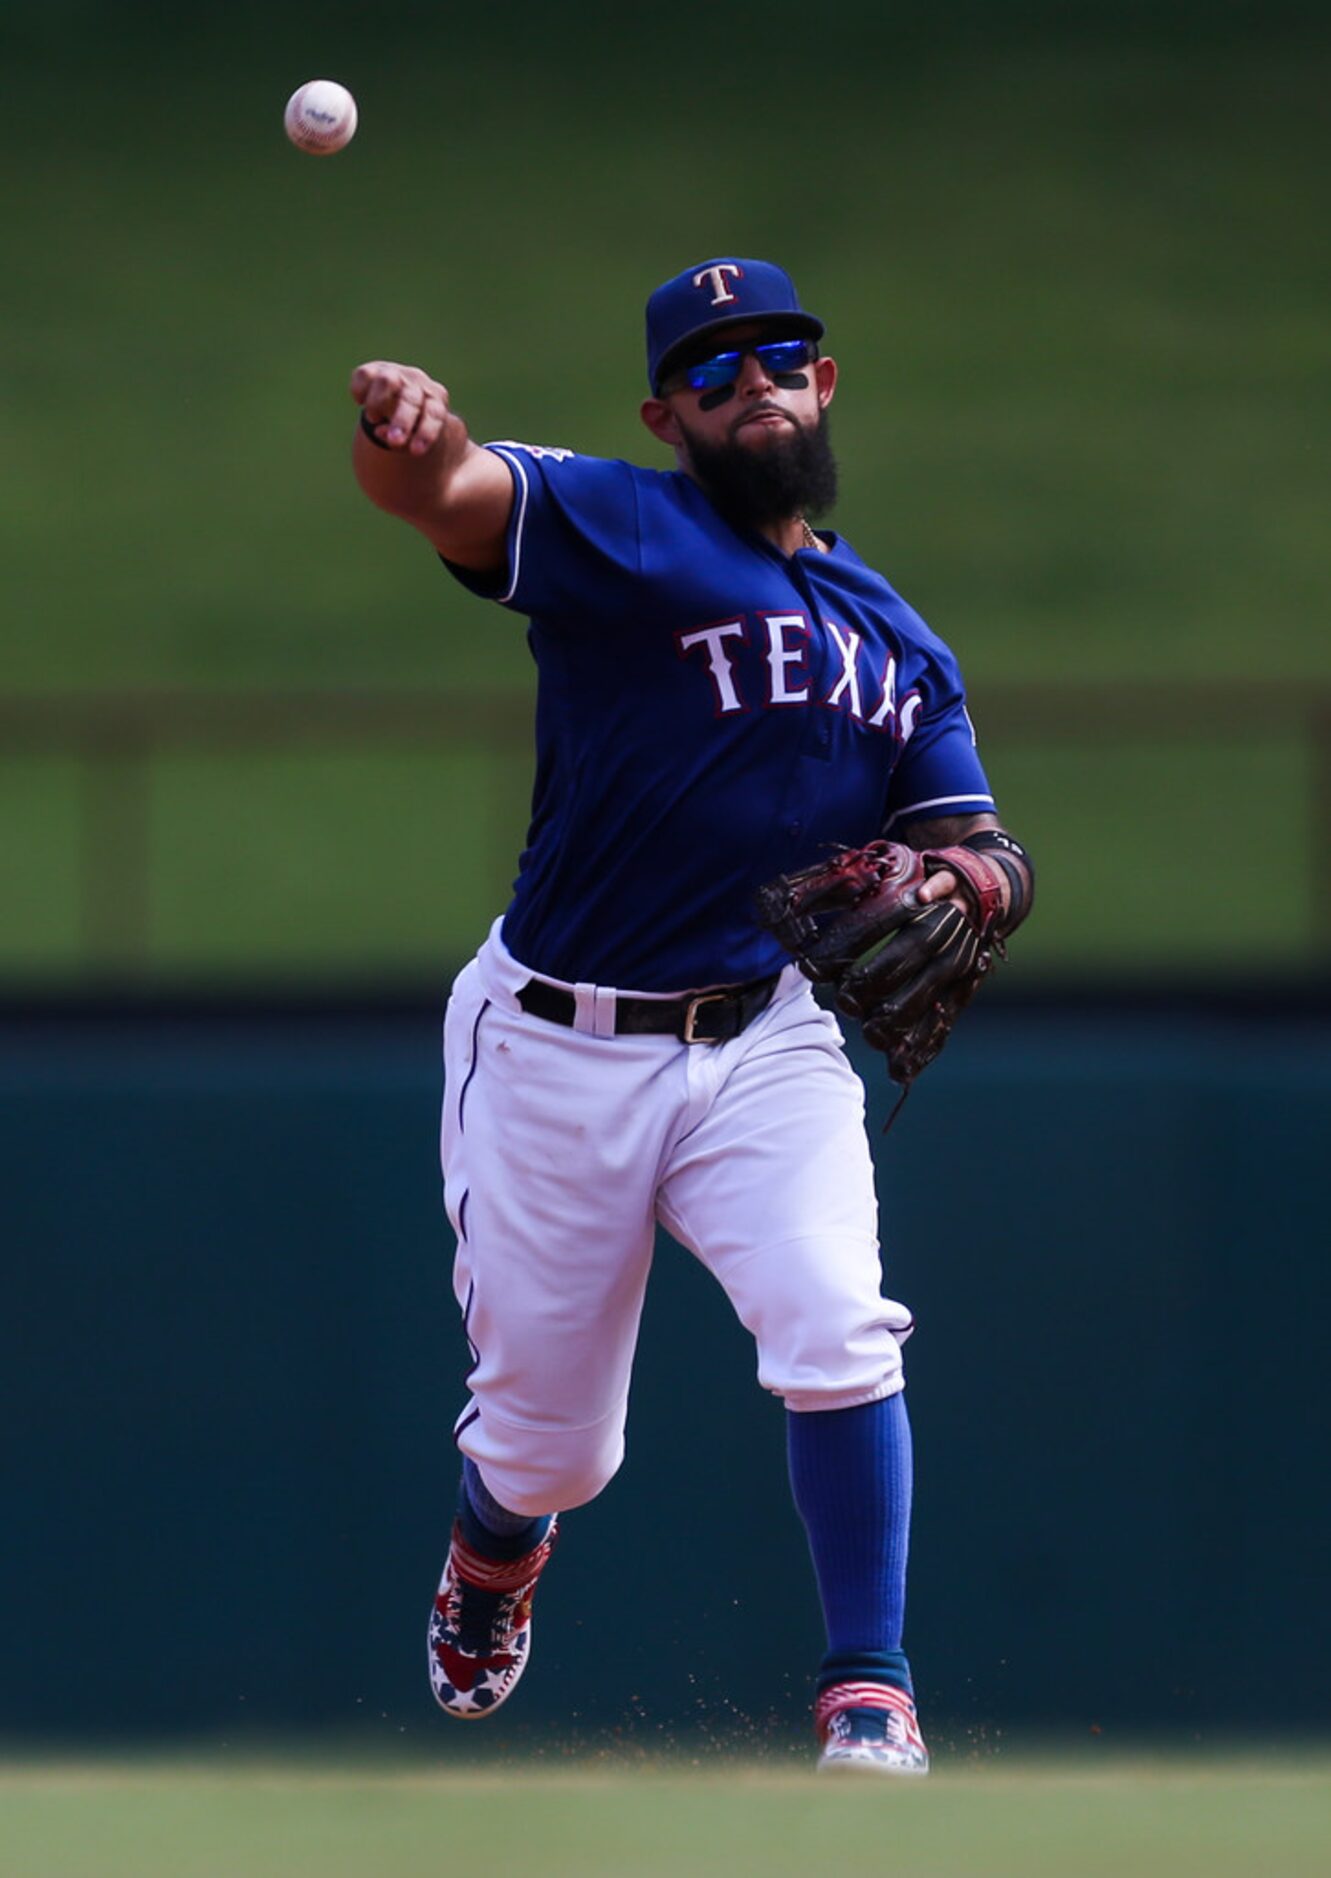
column 657, row 415
column 824, row 378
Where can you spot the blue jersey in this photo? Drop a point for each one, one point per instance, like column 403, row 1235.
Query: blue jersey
column 710, row 713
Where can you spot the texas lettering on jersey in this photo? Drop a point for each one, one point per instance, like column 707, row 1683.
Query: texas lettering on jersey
column 785, row 638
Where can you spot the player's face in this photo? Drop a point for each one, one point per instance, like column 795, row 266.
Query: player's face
column 754, row 434
column 764, row 405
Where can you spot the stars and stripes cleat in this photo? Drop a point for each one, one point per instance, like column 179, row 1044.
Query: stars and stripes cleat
column 480, row 1627
column 871, row 1725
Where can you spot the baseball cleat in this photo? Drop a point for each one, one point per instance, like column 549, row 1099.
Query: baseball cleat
column 480, row 1627
column 871, row 1725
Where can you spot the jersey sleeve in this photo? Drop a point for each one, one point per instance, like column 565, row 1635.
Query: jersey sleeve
column 939, row 771
column 574, row 547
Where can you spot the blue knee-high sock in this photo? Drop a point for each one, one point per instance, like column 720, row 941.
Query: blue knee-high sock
column 490, row 1528
column 851, row 1473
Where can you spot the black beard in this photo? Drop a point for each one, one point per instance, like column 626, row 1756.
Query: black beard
column 753, row 488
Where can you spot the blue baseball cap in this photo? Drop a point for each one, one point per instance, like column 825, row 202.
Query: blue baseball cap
column 715, row 294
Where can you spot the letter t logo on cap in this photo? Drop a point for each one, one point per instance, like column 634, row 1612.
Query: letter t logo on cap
column 715, row 277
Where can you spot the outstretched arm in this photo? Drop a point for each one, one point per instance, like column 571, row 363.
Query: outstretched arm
column 421, row 464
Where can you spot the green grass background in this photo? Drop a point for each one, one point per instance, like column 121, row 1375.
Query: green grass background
column 1075, row 270
column 1158, row 1817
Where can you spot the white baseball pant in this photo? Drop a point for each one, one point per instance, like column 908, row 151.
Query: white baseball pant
column 561, row 1150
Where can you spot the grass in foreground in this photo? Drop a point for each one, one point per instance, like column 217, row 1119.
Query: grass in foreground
column 1228, row 1816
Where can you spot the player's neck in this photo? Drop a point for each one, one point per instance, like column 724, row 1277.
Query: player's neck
column 791, row 535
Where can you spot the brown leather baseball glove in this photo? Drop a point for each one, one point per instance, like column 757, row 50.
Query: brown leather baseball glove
column 904, row 970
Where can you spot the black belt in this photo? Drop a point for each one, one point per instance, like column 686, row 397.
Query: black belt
column 696, row 1017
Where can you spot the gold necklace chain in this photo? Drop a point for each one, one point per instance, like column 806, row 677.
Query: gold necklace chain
column 810, row 539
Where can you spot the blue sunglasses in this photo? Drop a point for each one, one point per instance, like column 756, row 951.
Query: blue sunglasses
column 723, row 368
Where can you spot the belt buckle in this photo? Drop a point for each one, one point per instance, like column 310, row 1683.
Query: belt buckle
column 689, row 1030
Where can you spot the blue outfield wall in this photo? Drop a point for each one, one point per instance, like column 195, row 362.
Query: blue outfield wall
column 230, row 1365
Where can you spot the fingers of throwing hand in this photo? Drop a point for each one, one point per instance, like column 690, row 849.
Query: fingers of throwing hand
column 371, row 380
column 395, row 402
column 430, row 420
column 406, row 408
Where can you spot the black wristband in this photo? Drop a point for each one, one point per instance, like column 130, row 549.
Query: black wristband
column 997, row 838
column 368, row 428
column 1007, row 851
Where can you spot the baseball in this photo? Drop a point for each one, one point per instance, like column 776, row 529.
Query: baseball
column 321, row 117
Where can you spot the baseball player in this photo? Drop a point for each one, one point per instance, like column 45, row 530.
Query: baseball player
column 725, row 694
